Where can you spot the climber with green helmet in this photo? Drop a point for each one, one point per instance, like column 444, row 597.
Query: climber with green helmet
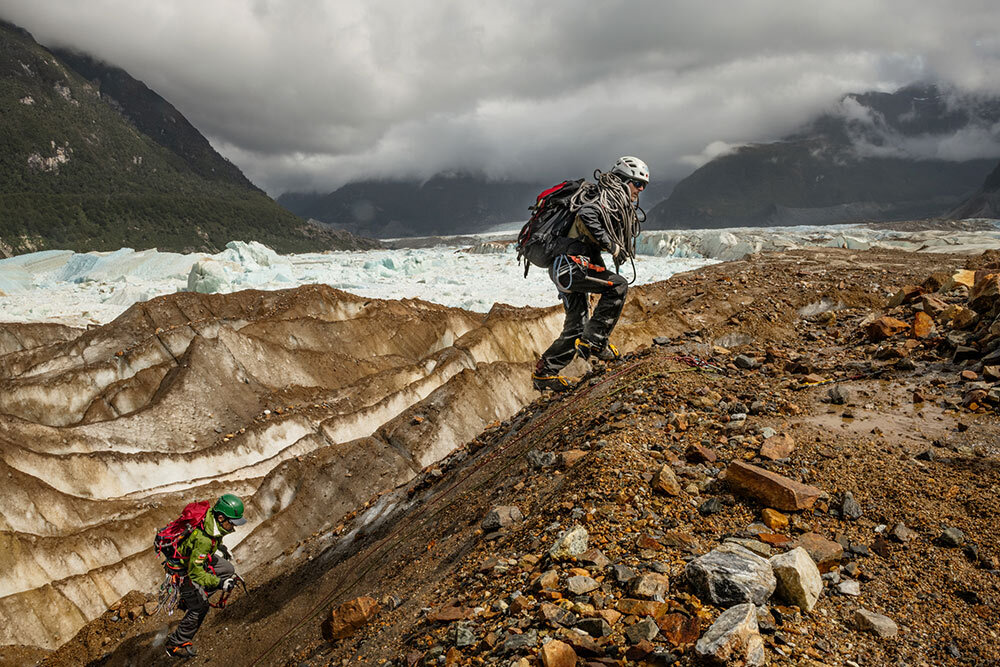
column 206, row 572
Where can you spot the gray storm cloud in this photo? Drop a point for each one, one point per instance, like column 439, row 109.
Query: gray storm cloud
column 314, row 93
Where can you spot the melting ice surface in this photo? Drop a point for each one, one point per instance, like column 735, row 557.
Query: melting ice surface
column 87, row 288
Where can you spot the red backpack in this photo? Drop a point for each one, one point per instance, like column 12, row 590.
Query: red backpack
column 168, row 539
column 551, row 216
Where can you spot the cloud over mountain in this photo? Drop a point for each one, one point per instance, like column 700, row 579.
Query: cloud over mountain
column 314, row 94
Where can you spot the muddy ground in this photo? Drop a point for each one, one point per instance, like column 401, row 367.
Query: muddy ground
column 778, row 342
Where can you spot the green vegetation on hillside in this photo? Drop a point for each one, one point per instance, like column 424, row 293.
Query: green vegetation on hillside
column 76, row 174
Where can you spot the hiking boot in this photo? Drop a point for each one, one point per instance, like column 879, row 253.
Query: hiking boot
column 183, row 651
column 587, row 350
column 550, row 382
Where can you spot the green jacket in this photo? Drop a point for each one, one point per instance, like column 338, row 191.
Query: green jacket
column 198, row 548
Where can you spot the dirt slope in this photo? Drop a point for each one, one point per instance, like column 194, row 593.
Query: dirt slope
column 589, row 459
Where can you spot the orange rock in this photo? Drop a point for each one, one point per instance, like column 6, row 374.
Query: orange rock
column 777, row 447
column 770, row 488
column 640, row 608
column 558, row 654
column 571, row 457
column 923, row 325
column 775, row 520
column 885, row 327
column 908, row 294
column 348, row 617
column 679, row 630
column 985, row 293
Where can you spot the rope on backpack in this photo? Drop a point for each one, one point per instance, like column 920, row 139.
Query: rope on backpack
column 622, row 221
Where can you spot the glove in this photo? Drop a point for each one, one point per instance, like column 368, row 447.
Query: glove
column 619, row 255
column 225, row 552
column 229, row 584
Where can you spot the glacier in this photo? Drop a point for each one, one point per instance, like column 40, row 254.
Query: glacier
column 81, row 289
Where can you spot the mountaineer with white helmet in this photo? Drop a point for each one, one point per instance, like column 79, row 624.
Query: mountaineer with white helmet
column 602, row 217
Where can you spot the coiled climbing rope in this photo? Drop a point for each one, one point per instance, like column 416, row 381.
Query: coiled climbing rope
column 621, row 220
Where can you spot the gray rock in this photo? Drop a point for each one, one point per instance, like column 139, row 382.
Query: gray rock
column 503, row 516
column 760, row 548
column 731, row 575
column 462, row 635
column 838, row 395
column 877, row 624
column 799, row 580
column 849, row 507
column 733, row 638
column 745, row 362
column 849, row 587
column 570, row 543
column 527, row 639
column 541, row 459
column 651, row 585
column 580, row 585
column 645, row 629
column 901, row 533
column 952, row 537
column 768, row 432
column 623, row 573
column 595, row 627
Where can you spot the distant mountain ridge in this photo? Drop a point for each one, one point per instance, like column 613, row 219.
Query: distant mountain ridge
column 447, row 203
column 444, row 204
column 95, row 160
column 856, row 165
column 985, row 203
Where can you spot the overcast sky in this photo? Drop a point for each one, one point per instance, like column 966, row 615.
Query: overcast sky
column 309, row 94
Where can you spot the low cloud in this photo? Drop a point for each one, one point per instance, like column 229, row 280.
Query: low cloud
column 309, row 95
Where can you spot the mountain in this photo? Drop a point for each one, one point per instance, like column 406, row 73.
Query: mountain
column 983, row 204
column 92, row 159
column 447, row 203
column 865, row 161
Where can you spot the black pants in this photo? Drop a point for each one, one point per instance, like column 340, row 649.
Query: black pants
column 196, row 602
column 576, row 282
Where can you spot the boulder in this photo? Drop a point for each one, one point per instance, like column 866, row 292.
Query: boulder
column 645, row 629
column 570, row 544
column 908, row 294
column 823, row 551
column 666, row 482
column 731, row 575
column 985, row 294
column 960, row 278
column 347, row 618
column 777, row 447
column 885, row 327
column 679, row 629
column 651, row 585
column 503, row 516
column 876, row 624
column 932, row 305
column 799, row 580
column 580, row 585
column 770, row 489
column 733, row 639
column 923, row 325
column 557, row 654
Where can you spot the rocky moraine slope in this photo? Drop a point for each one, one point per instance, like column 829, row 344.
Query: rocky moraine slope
column 796, row 463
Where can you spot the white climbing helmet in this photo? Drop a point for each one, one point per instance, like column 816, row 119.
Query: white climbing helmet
column 631, row 168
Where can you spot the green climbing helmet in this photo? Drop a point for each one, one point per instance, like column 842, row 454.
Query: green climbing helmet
column 231, row 507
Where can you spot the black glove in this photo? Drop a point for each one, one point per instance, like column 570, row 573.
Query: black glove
column 229, row 584
column 225, row 552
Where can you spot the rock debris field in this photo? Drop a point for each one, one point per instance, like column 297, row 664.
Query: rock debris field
column 796, row 463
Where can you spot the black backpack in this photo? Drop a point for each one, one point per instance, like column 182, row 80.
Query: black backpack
column 551, row 218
